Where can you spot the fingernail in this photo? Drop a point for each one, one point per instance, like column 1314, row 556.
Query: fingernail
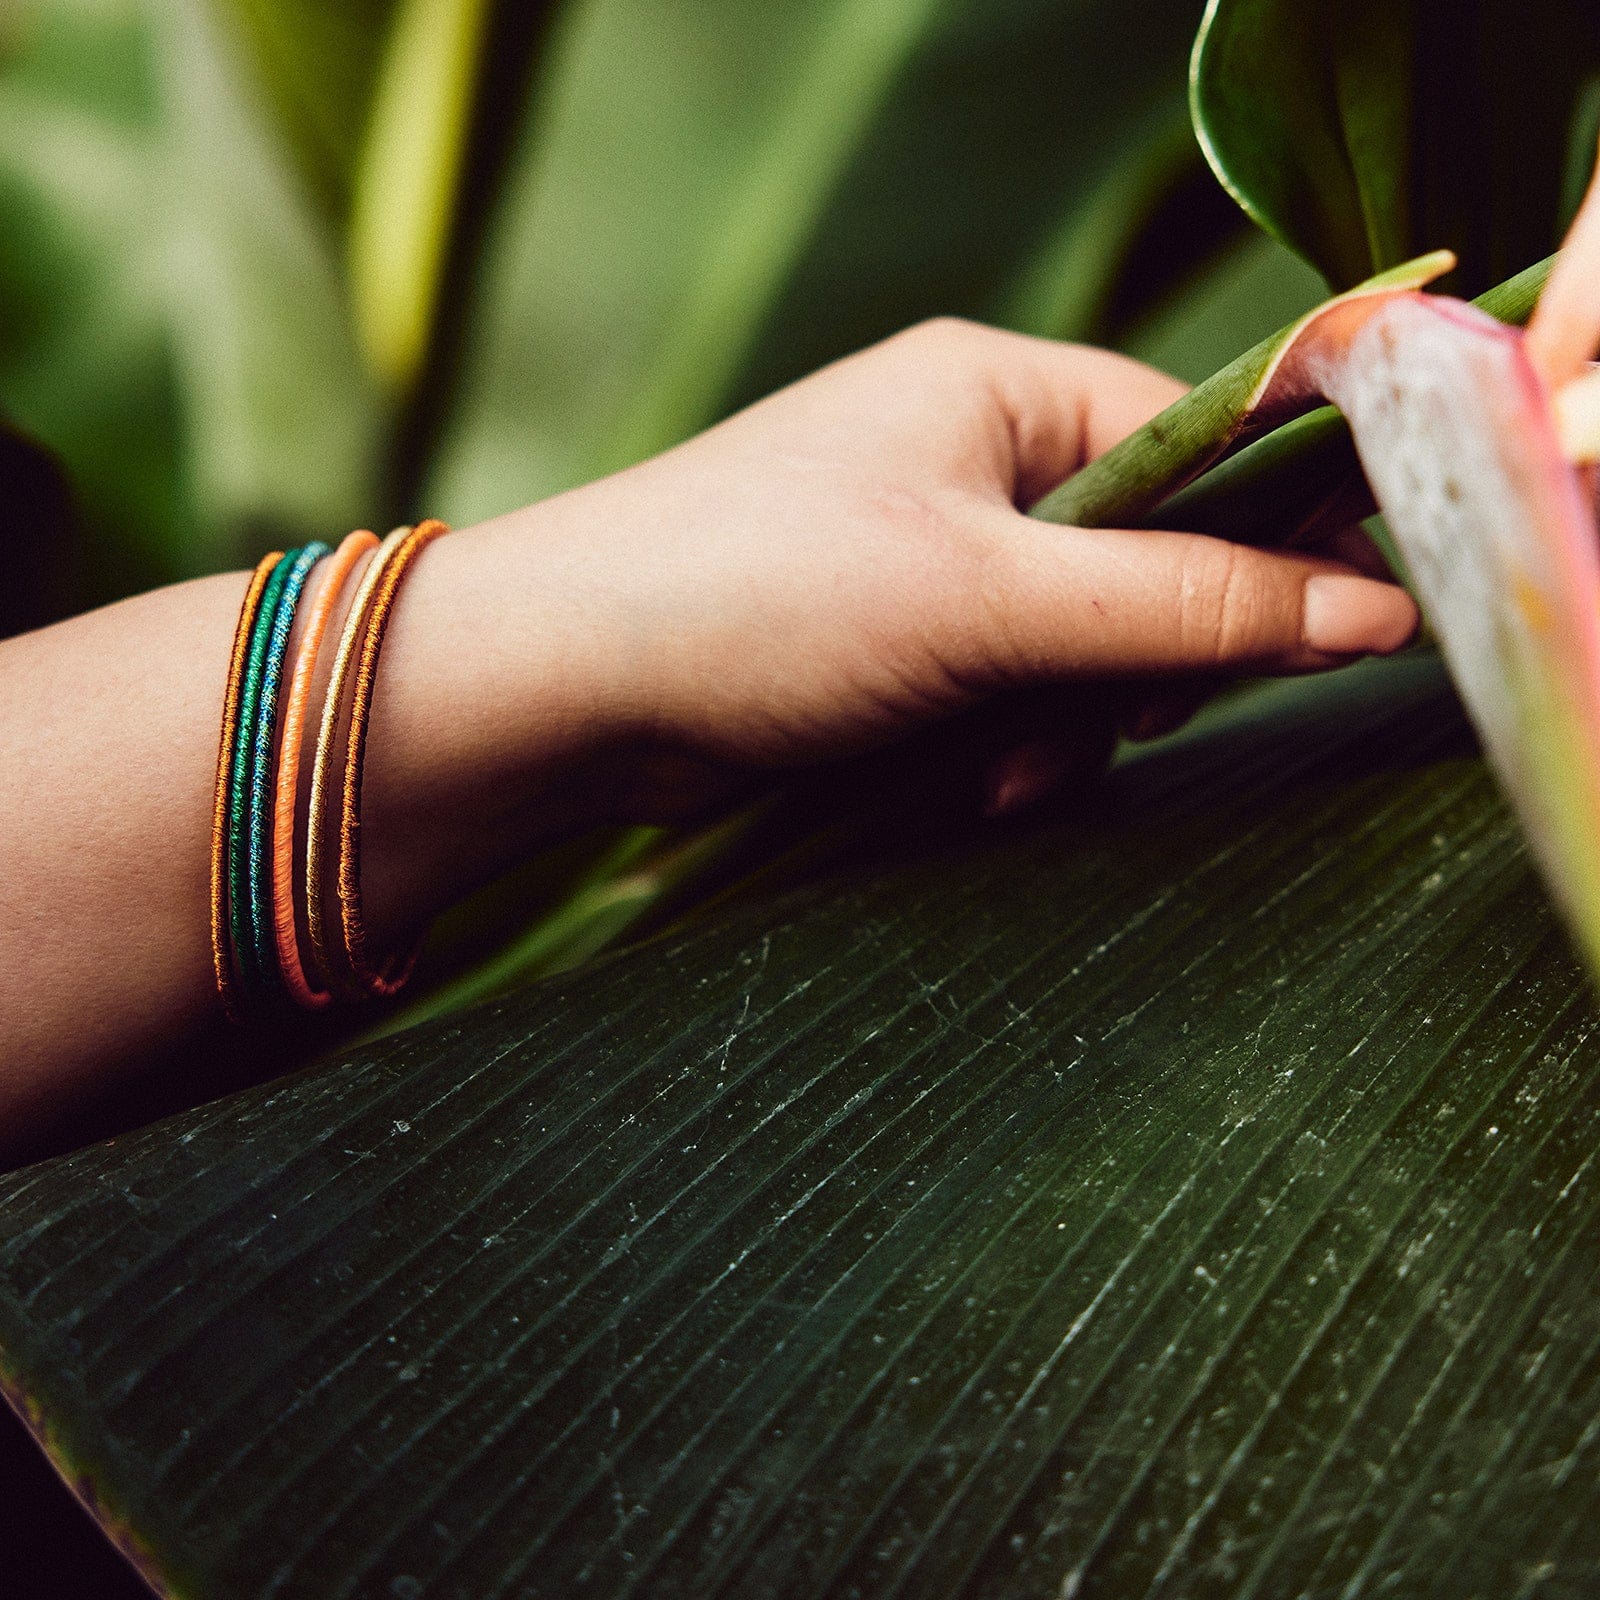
column 1346, row 615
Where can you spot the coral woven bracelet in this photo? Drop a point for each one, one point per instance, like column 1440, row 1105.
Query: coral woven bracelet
column 368, row 977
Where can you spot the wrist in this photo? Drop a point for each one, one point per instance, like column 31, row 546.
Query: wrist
column 504, row 716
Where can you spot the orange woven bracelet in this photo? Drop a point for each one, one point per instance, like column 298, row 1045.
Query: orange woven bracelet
column 286, row 793
column 221, row 957
column 345, row 966
column 359, row 963
column 323, row 958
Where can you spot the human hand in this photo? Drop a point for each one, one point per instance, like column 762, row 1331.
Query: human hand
column 846, row 560
column 842, row 565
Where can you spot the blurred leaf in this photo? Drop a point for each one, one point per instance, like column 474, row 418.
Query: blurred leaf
column 84, row 362
column 174, row 328
column 711, row 200
column 408, row 179
column 1363, row 132
column 1195, row 1195
column 1010, row 175
column 285, row 428
column 1064, row 286
column 318, row 60
column 626, row 883
column 1255, row 288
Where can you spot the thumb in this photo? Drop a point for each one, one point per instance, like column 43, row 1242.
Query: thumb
column 1078, row 601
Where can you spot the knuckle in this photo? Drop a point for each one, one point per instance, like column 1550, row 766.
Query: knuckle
column 1225, row 610
column 946, row 335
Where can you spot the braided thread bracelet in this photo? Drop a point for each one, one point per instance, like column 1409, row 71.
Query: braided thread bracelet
column 357, row 959
column 255, row 943
column 221, row 956
column 262, row 966
column 239, row 780
column 349, row 968
column 252, row 747
column 286, row 799
column 324, row 961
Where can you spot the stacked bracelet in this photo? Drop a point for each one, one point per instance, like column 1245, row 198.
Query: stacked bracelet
column 286, row 932
column 249, row 891
column 255, row 923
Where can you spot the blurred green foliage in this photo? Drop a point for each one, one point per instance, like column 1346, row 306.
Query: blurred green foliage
column 271, row 268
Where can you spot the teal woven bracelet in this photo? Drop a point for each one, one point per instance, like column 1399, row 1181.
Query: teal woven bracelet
column 263, row 744
column 255, row 981
column 239, row 777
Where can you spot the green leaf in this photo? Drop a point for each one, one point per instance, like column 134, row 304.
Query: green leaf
column 1364, row 132
column 174, row 324
column 408, row 179
column 1065, row 285
column 1253, row 289
column 318, row 61
column 708, row 201
column 1132, row 479
column 1178, row 469
column 1194, row 1194
column 84, row 364
column 285, row 428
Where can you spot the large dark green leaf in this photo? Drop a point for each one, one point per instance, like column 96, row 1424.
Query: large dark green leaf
column 1195, row 1195
column 1363, row 132
column 708, row 200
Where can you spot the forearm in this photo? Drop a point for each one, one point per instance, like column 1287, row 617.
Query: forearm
column 104, row 831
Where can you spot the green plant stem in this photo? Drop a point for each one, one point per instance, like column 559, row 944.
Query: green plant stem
column 1266, row 484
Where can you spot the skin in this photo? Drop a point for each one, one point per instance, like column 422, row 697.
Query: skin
column 839, row 567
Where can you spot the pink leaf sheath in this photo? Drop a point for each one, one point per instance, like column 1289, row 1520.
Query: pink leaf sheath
column 1456, row 431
